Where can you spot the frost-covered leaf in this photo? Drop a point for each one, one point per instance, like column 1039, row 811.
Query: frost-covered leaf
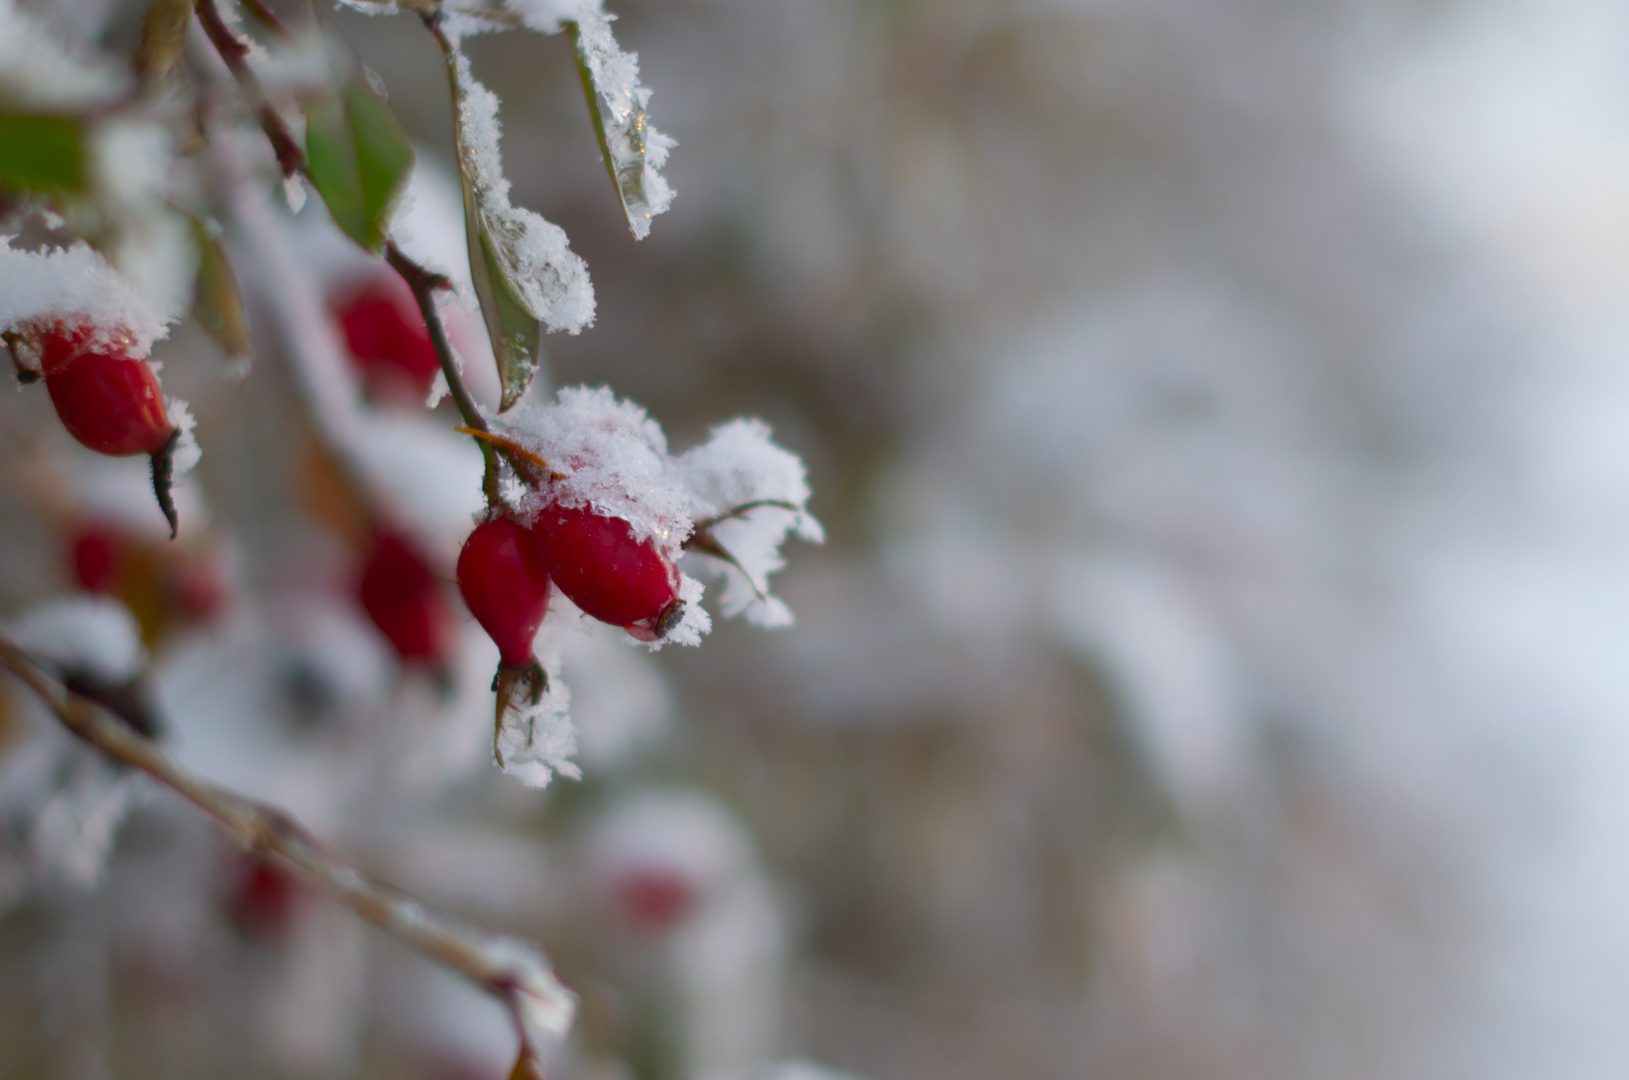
column 524, row 272
column 41, row 153
column 748, row 493
column 164, row 32
column 516, row 333
column 632, row 148
column 359, row 158
column 217, row 303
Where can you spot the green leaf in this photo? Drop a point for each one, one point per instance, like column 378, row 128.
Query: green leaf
column 633, row 150
column 358, row 158
column 517, row 334
column 41, row 153
column 217, row 303
column 164, row 32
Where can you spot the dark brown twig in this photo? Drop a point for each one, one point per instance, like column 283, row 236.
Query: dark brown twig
column 235, row 54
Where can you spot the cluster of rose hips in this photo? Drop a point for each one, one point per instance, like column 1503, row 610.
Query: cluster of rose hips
column 108, row 397
column 505, row 568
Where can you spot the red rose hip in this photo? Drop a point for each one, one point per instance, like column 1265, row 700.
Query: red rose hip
column 505, row 584
column 389, row 342
column 107, row 396
column 596, row 561
column 401, row 595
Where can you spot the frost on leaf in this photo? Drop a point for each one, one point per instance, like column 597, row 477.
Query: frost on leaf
column 748, row 494
column 634, row 151
column 523, row 269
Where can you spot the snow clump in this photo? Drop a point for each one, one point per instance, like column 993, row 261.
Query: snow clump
column 74, row 284
column 753, row 492
column 93, row 635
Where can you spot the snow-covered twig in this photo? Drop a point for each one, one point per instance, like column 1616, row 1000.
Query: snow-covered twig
column 514, row 971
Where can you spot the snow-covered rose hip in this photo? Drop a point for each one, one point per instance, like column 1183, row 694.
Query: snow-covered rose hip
column 105, row 392
column 107, row 396
column 505, row 584
column 596, row 561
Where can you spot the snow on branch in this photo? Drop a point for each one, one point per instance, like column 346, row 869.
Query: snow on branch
column 514, row 971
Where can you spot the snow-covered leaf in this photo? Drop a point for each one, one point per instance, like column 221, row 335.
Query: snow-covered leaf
column 633, row 149
column 359, row 158
column 41, row 153
column 749, row 494
column 516, row 333
column 524, row 272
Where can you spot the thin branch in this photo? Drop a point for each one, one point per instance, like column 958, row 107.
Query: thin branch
column 424, row 283
column 512, row 970
column 292, row 160
column 268, row 18
column 235, row 54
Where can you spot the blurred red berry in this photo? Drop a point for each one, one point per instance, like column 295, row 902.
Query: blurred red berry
column 98, row 555
column 387, row 338
column 654, row 899
column 505, row 585
column 198, row 584
column 261, row 899
column 596, row 561
column 107, row 396
column 401, row 595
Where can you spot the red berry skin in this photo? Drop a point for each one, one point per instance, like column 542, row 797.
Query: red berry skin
column 107, row 397
column 98, row 558
column 596, row 561
column 262, row 900
column 505, row 584
column 654, row 899
column 387, row 338
column 401, row 595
